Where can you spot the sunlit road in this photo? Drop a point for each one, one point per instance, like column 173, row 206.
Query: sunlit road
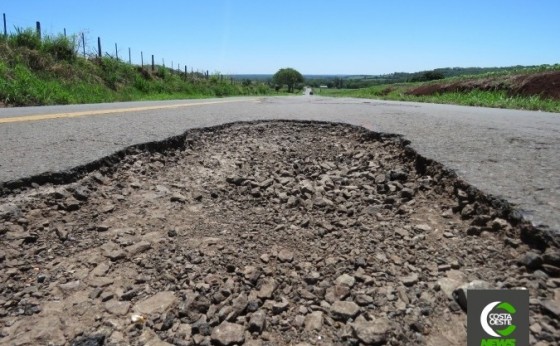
column 514, row 154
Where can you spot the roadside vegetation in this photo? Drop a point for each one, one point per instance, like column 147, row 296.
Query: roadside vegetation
column 35, row 71
column 531, row 88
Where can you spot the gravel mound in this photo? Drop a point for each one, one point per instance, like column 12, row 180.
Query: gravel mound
column 269, row 233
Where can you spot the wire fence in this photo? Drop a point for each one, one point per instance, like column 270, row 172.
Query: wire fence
column 87, row 51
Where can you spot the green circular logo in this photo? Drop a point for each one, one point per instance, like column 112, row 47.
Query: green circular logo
column 496, row 319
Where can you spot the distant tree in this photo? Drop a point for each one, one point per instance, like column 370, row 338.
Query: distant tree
column 287, row 76
column 427, row 76
column 433, row 75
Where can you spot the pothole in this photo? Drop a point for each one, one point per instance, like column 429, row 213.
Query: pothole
column 267, row 233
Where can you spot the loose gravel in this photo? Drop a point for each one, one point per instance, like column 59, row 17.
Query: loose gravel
column 267, row 233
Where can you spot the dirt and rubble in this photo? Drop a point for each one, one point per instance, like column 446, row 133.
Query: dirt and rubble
column 543, row 84
column 269, row 233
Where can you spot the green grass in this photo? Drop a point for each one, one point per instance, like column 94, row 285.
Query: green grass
column 495, row 99
column 49, row 71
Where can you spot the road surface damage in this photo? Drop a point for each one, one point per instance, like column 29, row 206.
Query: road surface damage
column 262, row 233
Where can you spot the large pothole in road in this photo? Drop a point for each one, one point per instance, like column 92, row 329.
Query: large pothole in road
column 272, row 233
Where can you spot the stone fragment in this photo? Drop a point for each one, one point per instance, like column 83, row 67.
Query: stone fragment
column 138, row 248
column 372, row 333
column 177, row 197
column 423, row 228
column 410, row 280
column 531, row 260
column 285, row 255
column 227, row 334
column 257, row 322
column 313, row 321
column 279, row 307
column 158, row 303
column 346, row 280
column 551, row 307
column 115, row 254
column 460, row 294
column 344, row 310
column 117, row 308
column 267, row 289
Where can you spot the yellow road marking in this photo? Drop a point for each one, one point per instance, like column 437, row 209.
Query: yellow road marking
column 37, row 117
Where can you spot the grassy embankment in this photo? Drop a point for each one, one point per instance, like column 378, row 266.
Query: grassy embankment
column 48, row 71
column 496, row 89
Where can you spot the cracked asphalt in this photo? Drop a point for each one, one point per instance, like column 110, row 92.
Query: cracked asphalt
column 507, row 153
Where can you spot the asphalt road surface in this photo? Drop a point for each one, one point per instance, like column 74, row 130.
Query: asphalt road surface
column 508, row 153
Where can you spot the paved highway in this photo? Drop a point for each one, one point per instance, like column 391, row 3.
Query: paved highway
column 513, row 154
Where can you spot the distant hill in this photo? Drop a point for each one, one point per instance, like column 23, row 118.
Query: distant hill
column 363, row 81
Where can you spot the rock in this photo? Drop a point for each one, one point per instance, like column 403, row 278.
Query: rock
column 449, row 285
column 70, row 286
column 115, row 254
column 177, row 197
column 267, row 289
column 380, row 178
column 344, row 310
column 407, row 193
column 313, row 321
column 81, row 193
column 138, row 248
column 158, row 303
column 423, row 228
column 252, row 274
column 102, row 228
column 552, row 257
column 280, row 307
column 306, row 186
column 117, row 308
column 499, row 224
column 238, row 306
column 200, row 303
column 236, row 180
column 61, row 233
column 228, row 334
column 94, row 340
column 312, row 278
column 257, row 322
column 551, row 307
column 372, row 333
column 460, row 294
column 346, row 280
column 285, row 255
column 9, row 211
column 409, row 280
column 184, row 331
column 531, row 260
column 398, row 175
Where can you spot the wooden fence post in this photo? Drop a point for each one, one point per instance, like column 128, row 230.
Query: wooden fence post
column 38, row 28
column 5, row 26
column 84, row 43
column 99, row 47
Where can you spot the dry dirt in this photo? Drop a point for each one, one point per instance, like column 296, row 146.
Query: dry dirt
column 543, row 84
column 269, row 233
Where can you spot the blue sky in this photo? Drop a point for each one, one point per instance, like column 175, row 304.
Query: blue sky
column 313, row 36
